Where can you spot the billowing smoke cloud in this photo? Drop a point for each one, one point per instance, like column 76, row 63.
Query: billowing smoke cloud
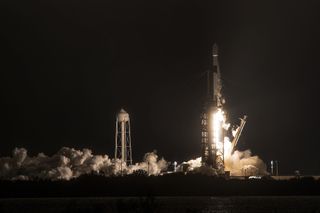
column 244, row 164
column 151, row 164
column 70, row 163
column 239, row 164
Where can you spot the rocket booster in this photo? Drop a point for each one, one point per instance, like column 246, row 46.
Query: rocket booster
column 214, row 81
column 212, row 132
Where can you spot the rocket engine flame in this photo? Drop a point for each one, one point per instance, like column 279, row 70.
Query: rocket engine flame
column 219, row 125
column 239, row 163
column 217, row 120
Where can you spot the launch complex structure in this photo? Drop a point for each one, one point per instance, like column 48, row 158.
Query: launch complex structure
column 215, row 145
column 213, row 126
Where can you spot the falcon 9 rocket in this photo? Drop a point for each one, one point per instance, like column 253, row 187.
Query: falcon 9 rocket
column 212, row 132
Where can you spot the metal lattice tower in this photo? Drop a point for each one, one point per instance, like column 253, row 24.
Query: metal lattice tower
column 123, row 149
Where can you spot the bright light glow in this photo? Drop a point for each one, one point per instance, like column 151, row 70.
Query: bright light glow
column 227, row 148
column 221, row 143
column 218, row 119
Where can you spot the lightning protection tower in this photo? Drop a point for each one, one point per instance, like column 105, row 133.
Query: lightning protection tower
column 123, row 149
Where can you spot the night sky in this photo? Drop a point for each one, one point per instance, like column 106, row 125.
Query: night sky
column 69, row 66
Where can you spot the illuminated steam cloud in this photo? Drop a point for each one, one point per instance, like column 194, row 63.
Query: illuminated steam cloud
column 70, row 163
column 239, row 164
column 151, row 164
column 244, row 164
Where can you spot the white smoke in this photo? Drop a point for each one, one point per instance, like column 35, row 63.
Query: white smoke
column 244, row 164
column 151, row 164
column 194, row 163
column 70, row 163
column 240, row 163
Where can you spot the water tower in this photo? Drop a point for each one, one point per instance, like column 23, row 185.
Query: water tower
column 123, row 138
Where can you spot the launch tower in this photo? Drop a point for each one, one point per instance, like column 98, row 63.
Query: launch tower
column 212, row 131
column 123, row 138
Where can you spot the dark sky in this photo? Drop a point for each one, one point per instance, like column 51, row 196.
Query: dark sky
column 68, row 66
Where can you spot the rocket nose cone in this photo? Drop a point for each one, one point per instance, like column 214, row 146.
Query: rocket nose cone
column 215, row 50
column 122, row 110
